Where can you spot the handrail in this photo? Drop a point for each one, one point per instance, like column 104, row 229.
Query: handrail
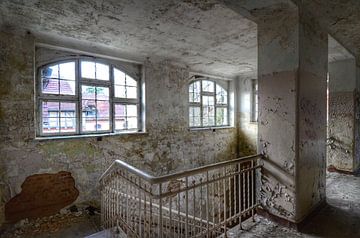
column 160, row 179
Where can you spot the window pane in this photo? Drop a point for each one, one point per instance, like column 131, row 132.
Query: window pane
column 50, row 86
column 132, row 123
column 88, row 69
column 120, row 110
column 126, row 117
column 67, row 70
column 221, row 95
column 119, row 77
column 102, row 93
column 194, row 92
column 68, row 124
column 103, row 124
column 102, row 71
column 207, row 86
column 208, row 111
column 103, row 108
column 50, row 72
column 131, row 110
column 68, row 107
column 221, row 116
column 67, row 87
column 194, row 116
column 131, row 92
column 50, row 117
column 88, row 92
column 120, row 92
column 89, row 108
column 130, row 81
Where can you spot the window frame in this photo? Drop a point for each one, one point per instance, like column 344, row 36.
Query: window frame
column 216, row 82
column 77, row 98
column 254, row 113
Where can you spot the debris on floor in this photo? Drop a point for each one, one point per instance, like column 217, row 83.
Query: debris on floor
column 71, row 222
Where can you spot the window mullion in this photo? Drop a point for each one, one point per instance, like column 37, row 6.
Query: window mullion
column 201, row 104
column 79, row 95
column 215, row 101
column 111, row 96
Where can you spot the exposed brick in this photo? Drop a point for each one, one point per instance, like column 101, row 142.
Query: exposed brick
column 42, row 195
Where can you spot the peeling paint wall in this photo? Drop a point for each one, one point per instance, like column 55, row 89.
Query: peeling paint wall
column 341, row 121
column 278, row 36
column 168, row 145
column 293, row 55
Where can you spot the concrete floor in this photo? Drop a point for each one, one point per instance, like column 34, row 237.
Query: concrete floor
column 340, row 218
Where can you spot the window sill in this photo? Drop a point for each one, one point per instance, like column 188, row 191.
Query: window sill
column 64, row 137
column 210, row 128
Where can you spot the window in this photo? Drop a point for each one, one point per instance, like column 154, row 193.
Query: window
column 208, row 103
column 86, row 96
column 254, row 101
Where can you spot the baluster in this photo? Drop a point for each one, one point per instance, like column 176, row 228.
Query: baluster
column 230, row 194
column 207, row 204
column 248, row 188
column 145, row 217
column 253, row 189
column 219, row 196
column 170, row 217
column 186, row 208
column 113, row 202
column 244, row 189
column 193, row 229
column 213, row 198
column 225, row 202
column 179, row 218
column 151, row 215
column 201, row 205
column 240, row 196
column 107, row 206
column 139, row 206
column 102, row 201
column 117, row 197
column 235, row 194
column 160, row 213
column 127, row 203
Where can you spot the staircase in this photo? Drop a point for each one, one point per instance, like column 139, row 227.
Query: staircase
column 201, row 202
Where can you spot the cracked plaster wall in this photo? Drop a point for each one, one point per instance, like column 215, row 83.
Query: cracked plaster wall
column 168, row 145
column 341, row 121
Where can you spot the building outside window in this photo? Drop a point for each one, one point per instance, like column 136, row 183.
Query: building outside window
column 86, row 96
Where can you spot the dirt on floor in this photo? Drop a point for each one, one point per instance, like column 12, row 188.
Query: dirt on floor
column 68, row 223
column 340, row 218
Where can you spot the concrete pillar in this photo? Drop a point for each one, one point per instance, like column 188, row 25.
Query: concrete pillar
column 292, row 70
column 357, row 122
column 342, row 119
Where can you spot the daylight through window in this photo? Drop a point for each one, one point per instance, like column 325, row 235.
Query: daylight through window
column 86, row 96
column 208, row 104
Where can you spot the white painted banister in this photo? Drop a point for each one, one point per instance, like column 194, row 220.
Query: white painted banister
column 200, row 202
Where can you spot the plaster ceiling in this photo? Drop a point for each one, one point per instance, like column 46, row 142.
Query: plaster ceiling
column 208, row 37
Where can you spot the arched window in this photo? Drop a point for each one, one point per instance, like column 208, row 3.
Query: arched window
column 208, row 103
column 86, row 96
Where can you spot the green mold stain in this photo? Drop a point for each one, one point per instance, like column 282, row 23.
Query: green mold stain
column 71, row 149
